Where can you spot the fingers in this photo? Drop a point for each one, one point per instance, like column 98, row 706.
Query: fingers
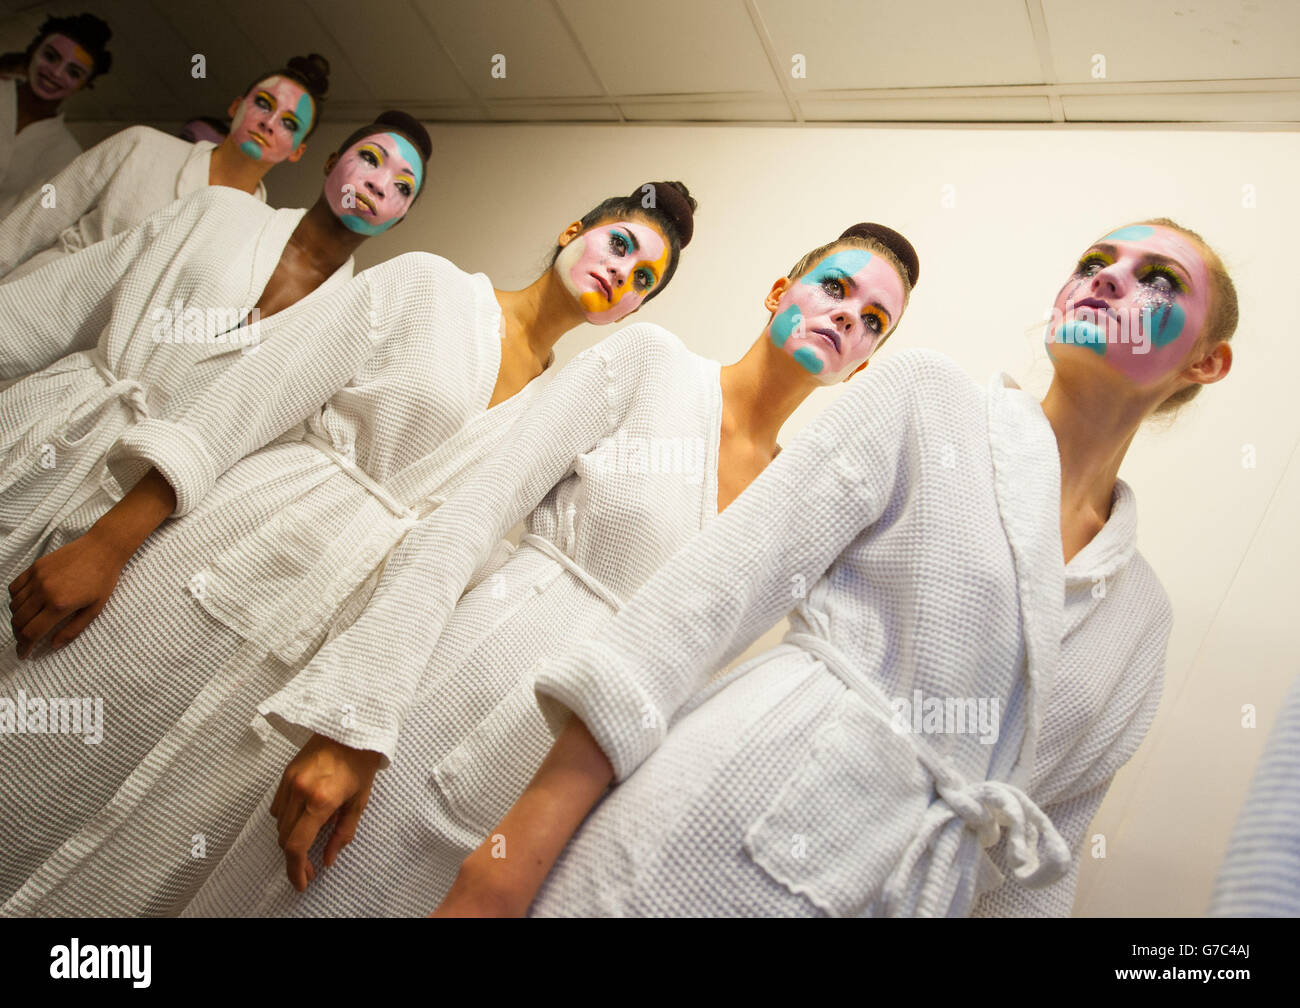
column 299, row 842
column 18, row 583
column 74, row 626
column 35, row 629
column 346, row 827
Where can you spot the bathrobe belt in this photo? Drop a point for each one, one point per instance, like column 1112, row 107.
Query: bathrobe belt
column 569, row 564
column 376, row 489
column 1037, row 853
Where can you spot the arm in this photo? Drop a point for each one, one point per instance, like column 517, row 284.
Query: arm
column 31, row 226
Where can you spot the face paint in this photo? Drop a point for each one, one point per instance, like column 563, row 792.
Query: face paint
column 58, row 68
column 831, row 318
column 1138, row 299
column 612, row 269
column 272, row 119
column 374, row 182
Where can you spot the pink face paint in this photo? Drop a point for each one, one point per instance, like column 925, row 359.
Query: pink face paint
column 1139, row 300
column 612, row 268
column 58, row 68
column 831, row 318
column 372, row 185
column 273, row 119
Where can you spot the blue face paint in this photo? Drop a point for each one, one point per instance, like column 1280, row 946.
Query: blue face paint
column 251, row 148
column 303, row 113
column 1169, row 321
column 1134, row 232
column 1082, row 333
column 407, row 150
column 784, row 324
column 844, row 261
column 808, row 359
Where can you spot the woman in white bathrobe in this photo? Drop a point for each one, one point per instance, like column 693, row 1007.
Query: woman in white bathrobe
column 621, row 458
column 221, row 607
column 975, row 647
column 64, row 57
column 138, row 323
column 122, row 180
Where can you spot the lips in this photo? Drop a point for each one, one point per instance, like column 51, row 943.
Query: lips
column 47, row 84
column 831, row 336
column 1097, row 304
column 365, row 201
column 604, row 285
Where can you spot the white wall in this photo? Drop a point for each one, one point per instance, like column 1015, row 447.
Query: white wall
column 1222, row 536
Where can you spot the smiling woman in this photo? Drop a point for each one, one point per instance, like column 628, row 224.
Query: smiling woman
column 64, row 57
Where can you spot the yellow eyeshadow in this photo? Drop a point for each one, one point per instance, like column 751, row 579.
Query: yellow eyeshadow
column 378, row 152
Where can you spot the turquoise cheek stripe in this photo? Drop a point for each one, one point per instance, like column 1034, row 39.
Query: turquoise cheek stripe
column 252, row 149
column 408, row 151
column 848, row 260
column 784, row 324
column 808, row 359
column 364, row 227
column 1082, row 333
column 303, row 111
column 1134, row 232
column 1169, row 325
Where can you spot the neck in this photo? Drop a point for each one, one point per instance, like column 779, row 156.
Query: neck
column 322, row 240
column 1093, row 433
column 537, row 316
column 32, row 108
column 761, row 391
column 229, row 166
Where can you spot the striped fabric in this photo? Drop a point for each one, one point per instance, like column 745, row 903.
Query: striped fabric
column 1260, row 875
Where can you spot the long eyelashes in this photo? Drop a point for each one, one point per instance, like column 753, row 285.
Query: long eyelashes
column 1084, row 268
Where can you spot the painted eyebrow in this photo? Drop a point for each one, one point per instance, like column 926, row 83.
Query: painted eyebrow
column 630, row 237
column 269, row 97
column 1155, row 257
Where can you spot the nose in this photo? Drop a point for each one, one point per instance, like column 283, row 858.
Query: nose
column 1108, row 283
column 843, row 318
column 617, row 272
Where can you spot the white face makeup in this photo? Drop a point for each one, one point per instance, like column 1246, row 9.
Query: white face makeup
column 832, row 318
column 612, row 268
column 374, row 182
column 272, row 120
column 58, row 68
column 1139, row 300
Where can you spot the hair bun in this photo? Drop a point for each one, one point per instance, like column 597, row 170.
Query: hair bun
column 674, row 200
column 893, row 241
column 410, row 127
column 315, row 71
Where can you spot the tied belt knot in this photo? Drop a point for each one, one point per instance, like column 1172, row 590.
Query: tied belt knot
column 1036, row 852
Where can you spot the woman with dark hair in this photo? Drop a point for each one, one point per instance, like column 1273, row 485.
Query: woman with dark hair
column 66, row 55
column 122, row 180
column 418, row 365
column 631, row 449
column 975, row 644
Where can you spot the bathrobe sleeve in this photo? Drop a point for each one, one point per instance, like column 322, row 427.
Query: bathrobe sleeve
column 65, row 306
column 32, row 227
column 1073, row 789
column 357, row 687
column 732, row 581
column 298, row 359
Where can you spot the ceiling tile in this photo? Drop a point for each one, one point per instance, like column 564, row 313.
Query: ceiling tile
column 1027, row 108
column 708, row 111
column 506, row 111
column 672, row 46
column 1170, row 40
column 541, row 58
column 1215, row 107
column 850, row 45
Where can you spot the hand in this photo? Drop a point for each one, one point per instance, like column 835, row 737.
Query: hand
column 69, row 586
column 327, row 782
column 483, row 889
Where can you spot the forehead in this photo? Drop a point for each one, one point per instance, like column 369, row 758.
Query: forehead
column 873, row 274
column 651, row 244
column 70, row 49
column 1141, row 238
column 283, row 89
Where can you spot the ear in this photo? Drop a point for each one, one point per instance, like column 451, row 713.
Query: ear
column 777, row 292
column 330, row 162
column 1212, row 367
column 569, row 233
column 296, row 155
column 233, row 107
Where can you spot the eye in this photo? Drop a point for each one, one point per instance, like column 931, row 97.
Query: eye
column 75, row 72
column 617, row 244
column 368, row 156
column 644, row 280
column 874, row 322
column 1162, row 279
column 403, row 188
column 261, row 102
column 833, row 286
column 290, row 124
column 1091, row 265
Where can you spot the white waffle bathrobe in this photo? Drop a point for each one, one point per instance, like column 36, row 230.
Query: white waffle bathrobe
column 91, row 335
column 35, row 155
column 104, row 191
column 220, row 608
column 617, row 461
column 914, row 526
